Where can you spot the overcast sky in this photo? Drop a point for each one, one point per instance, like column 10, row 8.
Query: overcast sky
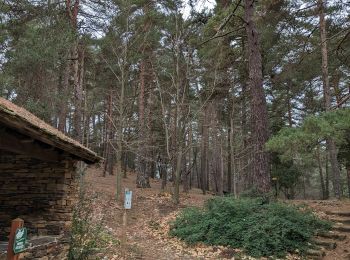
column 201, row 4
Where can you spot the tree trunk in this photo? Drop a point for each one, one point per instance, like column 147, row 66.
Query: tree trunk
column 221, row 172
column 289, row 104
column 235, row 179
column 142, row 179
column 337, row 92
column 204, row 153
column 191, row 160
column 217, row 157
column 72, row 15
column 120, row 139
column 163, row 173
column 327, row 100
column 78, row 72
column 109, row 162
column 319, row 161
column 327, row 178
column 261, row 175
column 62, row 115
column 104, row 132
column 198, row 178
column 125, row 163
column 77, row 57
column 184, row 175
column 348, row 175
column 177, row 176
column 229, row 158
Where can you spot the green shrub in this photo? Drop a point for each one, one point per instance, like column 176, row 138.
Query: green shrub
column 261, row 229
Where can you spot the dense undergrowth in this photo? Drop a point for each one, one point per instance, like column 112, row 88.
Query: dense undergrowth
column 260, row 229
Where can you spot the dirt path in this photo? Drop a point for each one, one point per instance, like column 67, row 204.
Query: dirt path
column 145, row 236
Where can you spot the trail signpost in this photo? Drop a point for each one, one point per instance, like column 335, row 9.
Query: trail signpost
column 19, row 244
column 127, row 199
column 17, row 239
column 127, row 204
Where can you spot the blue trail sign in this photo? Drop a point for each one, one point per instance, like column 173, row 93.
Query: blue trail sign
column 127, row 199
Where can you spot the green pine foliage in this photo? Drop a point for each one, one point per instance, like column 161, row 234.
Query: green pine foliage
column 261, row 229
column 294, row 142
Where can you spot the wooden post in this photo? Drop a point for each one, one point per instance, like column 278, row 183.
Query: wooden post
column 125, row 221
column 16, row 223
column 127, row 204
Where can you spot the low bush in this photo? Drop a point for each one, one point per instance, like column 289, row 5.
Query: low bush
column 89, row 236
column 260, row 229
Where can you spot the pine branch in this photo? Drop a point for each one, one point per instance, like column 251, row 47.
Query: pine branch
column 221, row 35
column 223, row 24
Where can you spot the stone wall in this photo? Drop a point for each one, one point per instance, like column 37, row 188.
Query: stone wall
column 41, row 193
column 44, row 248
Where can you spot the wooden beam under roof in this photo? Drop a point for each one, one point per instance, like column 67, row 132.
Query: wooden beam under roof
column 15, row 142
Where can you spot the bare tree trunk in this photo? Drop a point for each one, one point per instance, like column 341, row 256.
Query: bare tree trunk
column 78, row 72
column 177, row 176
column 125, row 163
column 142, row 180
column 337, row 92
column 186, row 171
column 163, row 173
column 109, row 162
column 72, row 15
column 221, row 172
column 62, row 116
column 229, row 157
column 217, row 157
column 327, row 99
column 120, row 139
column 261, row 174
column 204, row 153
column 289, row 104
column 304, row 188
column 348, row 175
column 233, row 162
column 85, row 124
column 327, row 177
column 196, row 169
column 323, row 188
column 77, row 56
column 104, row 133
column 120, row 126
column 191, row 161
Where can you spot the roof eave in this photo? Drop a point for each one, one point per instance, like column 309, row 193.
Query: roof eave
column 12, row 120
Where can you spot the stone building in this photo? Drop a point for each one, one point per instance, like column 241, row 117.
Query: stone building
column 38, row 180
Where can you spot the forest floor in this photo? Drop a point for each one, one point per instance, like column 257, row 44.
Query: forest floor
column 145, row 234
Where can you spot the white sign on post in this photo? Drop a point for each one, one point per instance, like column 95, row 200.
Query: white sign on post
column 127, row 199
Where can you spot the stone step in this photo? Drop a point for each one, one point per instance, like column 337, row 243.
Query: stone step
column 332, row 235
column 345, row 229
column 338, row 213
column 343, row 221
column 315, row 254
column 331, row 245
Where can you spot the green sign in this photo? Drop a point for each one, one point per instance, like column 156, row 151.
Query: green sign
column 19, row 245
